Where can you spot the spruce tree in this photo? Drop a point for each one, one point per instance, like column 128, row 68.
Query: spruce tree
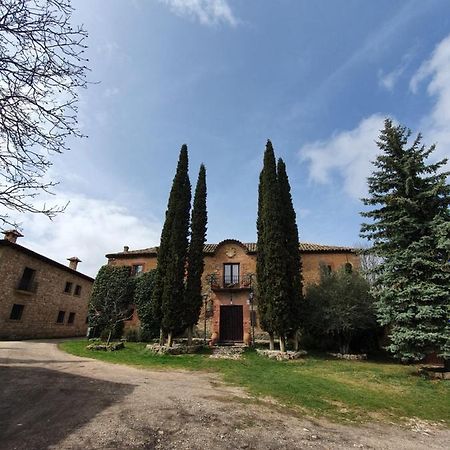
column 294, row 266
column 193, row 297
column 410, row 231
column 273, row 295
column 168, row 293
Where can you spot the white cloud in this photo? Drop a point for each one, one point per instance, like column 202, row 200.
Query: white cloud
column 207, row 12
column 349, row 153
column 89, row 229
column 388, row 80
column 436, row 69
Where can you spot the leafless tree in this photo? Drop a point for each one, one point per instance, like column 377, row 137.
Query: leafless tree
column 369, row 262
column 42, row 66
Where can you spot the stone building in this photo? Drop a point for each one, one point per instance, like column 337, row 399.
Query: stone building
column 39, row 297
column 228, row 280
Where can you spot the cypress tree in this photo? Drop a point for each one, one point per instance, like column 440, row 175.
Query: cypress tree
column 294, row 267
column 193, row 299
column 273, row 295
column 410, row 231
column 168, row 293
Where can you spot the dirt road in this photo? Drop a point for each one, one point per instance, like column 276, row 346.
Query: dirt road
column 52, row 400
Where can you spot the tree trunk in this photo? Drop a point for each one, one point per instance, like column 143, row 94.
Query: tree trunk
column 282, row 344
column 189, row 335
column 272, row 342
column 109, row 336
column 169, row 339
column 161, row 337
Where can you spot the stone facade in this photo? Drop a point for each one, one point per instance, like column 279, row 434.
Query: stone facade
column 228, row 280
column 35, row 291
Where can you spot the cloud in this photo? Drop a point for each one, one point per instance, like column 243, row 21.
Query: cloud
column 389, row 80
column 207, row 12
column 436, row 69
column 89, row 229
column 348, row 153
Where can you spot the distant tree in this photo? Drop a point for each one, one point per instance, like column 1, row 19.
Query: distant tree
column 294, row 266
column 339, row 306
column 142, row 299
column 274, row 293
column 409, row 227
column 168, row 293
column 112, row 294
column 41, row 68
column 193, row 297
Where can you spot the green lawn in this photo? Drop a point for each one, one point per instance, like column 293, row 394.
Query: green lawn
column 353, row 391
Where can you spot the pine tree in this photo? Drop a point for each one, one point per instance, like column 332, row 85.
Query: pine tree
column 273, row 294
column 168, row 294
column 294, row 266
column 193, row 298
column 410, row 231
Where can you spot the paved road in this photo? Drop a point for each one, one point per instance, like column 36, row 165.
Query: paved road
column 52, row 400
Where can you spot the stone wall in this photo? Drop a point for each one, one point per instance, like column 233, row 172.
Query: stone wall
column 41, row 307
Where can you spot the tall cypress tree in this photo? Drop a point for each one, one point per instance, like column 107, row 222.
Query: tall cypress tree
column 294, row 266
column 410, row 230
column 273, row 295
column 193, row 298
column 168, row 293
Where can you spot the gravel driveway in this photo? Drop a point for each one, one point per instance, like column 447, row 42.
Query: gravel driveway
column 52, row 400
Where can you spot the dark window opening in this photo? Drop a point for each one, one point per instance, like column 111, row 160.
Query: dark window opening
column 60, row 318
column 27, row 283
column 230, row 274
column 348, row 268
column 77, row 290
column 71, row 318
column 329, row 269
column 68, row 288
column 16, row 312
column 130, row 314
column 137, row 270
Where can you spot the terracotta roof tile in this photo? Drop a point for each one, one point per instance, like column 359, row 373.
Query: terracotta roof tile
column 305, row 247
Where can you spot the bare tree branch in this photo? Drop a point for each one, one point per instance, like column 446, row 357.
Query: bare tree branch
column 42, row 65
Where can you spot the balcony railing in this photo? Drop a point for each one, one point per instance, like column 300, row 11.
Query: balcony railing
column 231, row 282
column 27, row 286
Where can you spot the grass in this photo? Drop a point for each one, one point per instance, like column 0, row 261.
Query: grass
column 351, row 391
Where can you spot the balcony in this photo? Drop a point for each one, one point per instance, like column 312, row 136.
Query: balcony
column 231, row 283
column 26, row 286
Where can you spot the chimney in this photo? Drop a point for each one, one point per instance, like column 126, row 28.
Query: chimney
column 12, row 235
column 73, row 262
column 126, row 248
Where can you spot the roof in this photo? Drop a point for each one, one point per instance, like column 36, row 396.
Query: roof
column 249, row 247
column 27, row 251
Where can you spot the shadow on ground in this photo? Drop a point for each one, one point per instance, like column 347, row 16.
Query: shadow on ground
column 39, row 407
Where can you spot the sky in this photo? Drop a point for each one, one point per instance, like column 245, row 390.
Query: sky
column 223, row 76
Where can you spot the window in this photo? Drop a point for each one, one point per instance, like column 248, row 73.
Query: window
column 60, row 318
column 27, row 283
column 348, row 268
column 137, row 269
column 71, row 318
column 230, row 274
column 77, row 290
column 68, row 288
column 16, row 312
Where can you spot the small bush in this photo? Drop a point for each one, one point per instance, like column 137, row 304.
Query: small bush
column 132, row 335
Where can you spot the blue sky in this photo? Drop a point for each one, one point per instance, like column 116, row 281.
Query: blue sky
column 223, row 76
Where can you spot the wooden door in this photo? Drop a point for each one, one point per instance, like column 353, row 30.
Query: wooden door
column 231, row 323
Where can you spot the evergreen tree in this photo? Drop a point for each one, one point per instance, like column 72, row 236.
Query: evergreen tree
column 273, row 295
column 294, row 266
column 193, row 299
column 168, row 293
column 109, row 305
column 143, row 292
column 410, row 231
